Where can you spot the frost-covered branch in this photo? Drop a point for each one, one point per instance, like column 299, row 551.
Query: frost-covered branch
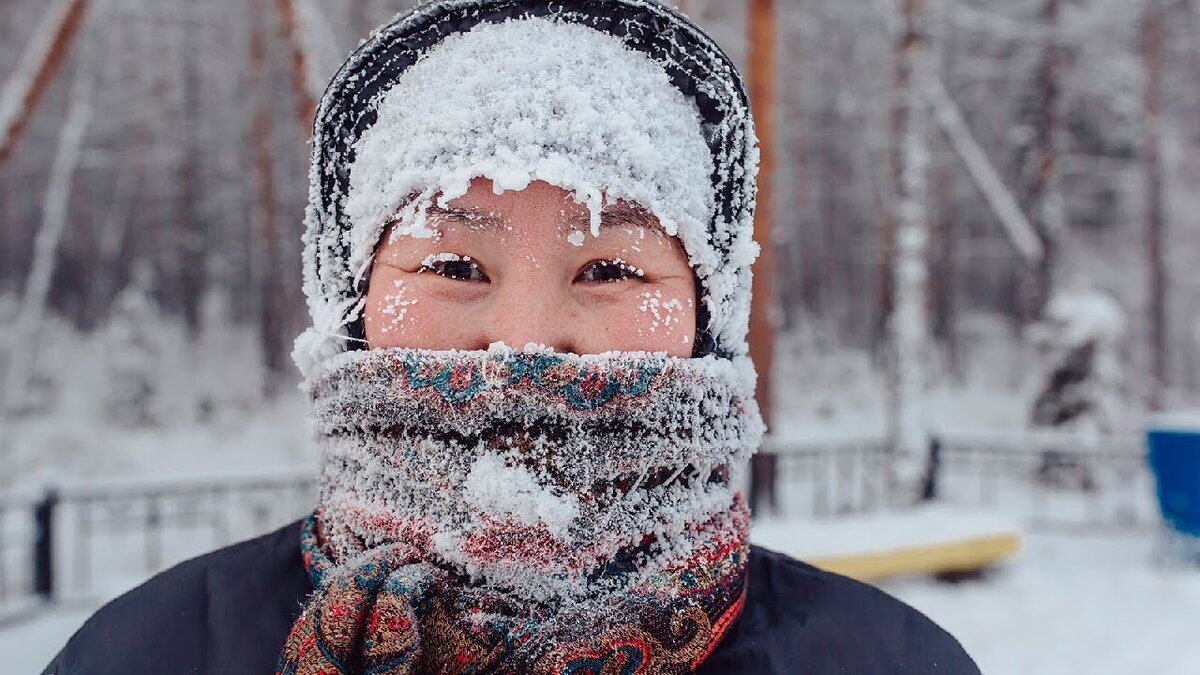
column 42, row 55
column 980, row 169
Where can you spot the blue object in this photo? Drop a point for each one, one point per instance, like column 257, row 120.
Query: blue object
column 1174, row 455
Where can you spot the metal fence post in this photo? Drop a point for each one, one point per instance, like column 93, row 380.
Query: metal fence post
column 43, row 549
column 933, row 467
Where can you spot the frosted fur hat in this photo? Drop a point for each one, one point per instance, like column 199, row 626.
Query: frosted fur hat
column 697, row 128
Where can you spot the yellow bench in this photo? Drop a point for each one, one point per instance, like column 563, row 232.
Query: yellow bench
column 924, row 540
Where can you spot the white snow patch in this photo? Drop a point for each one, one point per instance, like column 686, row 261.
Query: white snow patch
column 513, row 492
column 1087, row 315
column 1178, row 420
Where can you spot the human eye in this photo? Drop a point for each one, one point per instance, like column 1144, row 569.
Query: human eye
column 453, row 266
column 609, row 271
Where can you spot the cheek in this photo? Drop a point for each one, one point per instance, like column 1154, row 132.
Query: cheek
column 389, row 304
column 657, row 320
column 399, row 313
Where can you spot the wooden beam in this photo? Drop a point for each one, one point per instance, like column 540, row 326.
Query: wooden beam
column 761, row 76
column 960, row 555
column 267, row 252
column 50, row 43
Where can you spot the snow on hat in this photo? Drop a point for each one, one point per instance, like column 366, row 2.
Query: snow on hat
column 622, row 98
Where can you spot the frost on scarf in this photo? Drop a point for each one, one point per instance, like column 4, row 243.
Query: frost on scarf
column 622, row 99
column 531, row 472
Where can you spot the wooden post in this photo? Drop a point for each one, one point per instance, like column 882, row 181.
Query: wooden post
column 267, row 256
column 43, row 547
column 1152, row 36
column 762, row 330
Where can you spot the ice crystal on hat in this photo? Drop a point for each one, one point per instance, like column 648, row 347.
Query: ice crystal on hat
column 532, row 100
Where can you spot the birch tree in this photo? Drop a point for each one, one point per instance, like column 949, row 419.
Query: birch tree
column 908, row 324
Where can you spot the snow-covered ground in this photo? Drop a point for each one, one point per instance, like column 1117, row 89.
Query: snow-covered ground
column 1067, row 603
column 1100, row 605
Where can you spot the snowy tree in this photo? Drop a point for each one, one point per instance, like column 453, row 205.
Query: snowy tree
column 135, row 349
column 908, row 324
column 230, row 386
column 1082, row 389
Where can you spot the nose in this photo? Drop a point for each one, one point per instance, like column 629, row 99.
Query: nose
column 519, row 315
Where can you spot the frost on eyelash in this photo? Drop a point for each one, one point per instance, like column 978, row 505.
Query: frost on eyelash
column 622, row 265
column 431, row 260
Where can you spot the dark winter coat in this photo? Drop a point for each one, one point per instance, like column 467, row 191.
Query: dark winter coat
column 228, row 613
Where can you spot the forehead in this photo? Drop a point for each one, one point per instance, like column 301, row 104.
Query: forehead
column 475, row 217
column 482, row 208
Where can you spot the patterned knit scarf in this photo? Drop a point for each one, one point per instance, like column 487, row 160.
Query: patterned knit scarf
column 504, row 512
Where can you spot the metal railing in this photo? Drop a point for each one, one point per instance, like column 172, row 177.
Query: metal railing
column 1047, row 479
column 60, row 543
column 1054, row 480
column 19, row 546
column 824, row 478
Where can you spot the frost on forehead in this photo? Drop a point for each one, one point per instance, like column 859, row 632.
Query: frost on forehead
column 528, row 100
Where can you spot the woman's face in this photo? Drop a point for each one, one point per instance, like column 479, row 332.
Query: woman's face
column 522, row 267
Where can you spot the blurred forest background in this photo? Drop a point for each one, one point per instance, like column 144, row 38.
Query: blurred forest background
column 153, row 176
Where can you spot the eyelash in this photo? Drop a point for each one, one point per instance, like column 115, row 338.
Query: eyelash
column 437, row 264
column 628, row 271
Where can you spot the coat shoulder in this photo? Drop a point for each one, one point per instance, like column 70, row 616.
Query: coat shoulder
column 170, row 622
column 799, row 618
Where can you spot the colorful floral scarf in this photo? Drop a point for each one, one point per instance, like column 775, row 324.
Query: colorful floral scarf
column 505, row 512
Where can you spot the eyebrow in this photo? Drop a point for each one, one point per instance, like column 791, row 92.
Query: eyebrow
column 613, row 215
column 471, row 218
column 616, row 215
